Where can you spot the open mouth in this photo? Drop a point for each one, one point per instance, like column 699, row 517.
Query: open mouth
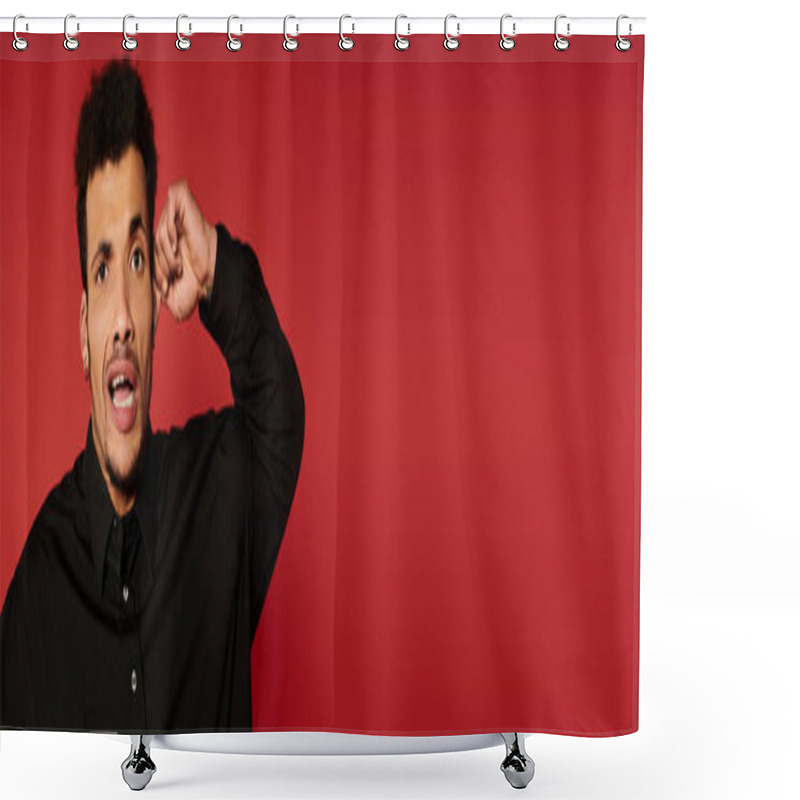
column 121, row 391
column 121, row 387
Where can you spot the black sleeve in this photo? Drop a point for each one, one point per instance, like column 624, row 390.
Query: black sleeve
column 23, row 667
column 267, row 392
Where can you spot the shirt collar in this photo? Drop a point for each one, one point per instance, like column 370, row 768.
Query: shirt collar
column 101, row 512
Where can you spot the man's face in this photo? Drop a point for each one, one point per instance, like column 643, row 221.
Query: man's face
column 118, row 313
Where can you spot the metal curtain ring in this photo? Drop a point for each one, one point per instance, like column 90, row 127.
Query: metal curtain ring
column 289, row 42
column 506, row 42
column 70, row 42
column 451, row 42
column 345, row 42
column 182, row 43
column 623, row 45
column 400, row 42
column 561, row 43
column 19, row 43
column 128, row 42
column 234, row 44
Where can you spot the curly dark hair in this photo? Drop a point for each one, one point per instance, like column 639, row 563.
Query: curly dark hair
column 114, row 115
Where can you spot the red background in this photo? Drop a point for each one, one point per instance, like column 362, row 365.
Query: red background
column 452, row 241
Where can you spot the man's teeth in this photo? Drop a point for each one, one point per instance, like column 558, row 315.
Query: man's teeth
column 123, row 399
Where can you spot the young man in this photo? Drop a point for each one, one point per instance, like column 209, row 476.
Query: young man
column 137, row 594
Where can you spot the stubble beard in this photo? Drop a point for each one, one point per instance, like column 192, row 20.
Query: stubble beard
column 125, row 483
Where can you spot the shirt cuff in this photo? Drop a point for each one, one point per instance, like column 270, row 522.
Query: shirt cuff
column 220, row 312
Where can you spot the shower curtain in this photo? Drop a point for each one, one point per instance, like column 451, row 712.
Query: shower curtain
column 451, row 244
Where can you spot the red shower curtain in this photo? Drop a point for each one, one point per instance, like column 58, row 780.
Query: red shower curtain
column 452, row 242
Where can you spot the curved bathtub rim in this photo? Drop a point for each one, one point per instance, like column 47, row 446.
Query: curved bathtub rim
column 318, row 743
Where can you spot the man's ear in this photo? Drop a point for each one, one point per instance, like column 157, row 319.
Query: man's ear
column 85, row 334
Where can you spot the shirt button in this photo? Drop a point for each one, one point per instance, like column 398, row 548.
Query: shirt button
column 133, row 680
column 125, row 593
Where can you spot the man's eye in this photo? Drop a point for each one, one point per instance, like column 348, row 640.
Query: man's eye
column 137, row 260
column 101, row 273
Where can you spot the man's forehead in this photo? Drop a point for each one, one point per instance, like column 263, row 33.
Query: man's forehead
column 115, row 197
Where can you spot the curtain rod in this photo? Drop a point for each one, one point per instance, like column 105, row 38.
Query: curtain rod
column 408, row 26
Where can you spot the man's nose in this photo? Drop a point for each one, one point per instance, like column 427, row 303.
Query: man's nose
column 123, row 321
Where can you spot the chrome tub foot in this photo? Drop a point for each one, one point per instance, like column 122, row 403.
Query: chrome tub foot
column 517, row 766
column 138, row 768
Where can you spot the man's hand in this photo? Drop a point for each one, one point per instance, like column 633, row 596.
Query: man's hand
column 185, row 251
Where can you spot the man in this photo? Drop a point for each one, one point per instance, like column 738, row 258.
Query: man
column 137, row 594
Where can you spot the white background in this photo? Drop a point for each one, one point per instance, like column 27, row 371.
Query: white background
column 720, row 450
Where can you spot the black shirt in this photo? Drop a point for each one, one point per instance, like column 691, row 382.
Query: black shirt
column 144, row 623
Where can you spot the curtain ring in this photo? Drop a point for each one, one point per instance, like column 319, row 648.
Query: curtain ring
column 561, row 43
column 345, row 42
column 289, row 42
column 622, row 44
column 451, row 42
column 128, row 42
column 182, row 43
column 401, row 42
column 234, row 44
column 70, row 42
column 506, row 42
column 19, row 43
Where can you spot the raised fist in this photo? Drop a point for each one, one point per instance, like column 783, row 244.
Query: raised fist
column 185, row 248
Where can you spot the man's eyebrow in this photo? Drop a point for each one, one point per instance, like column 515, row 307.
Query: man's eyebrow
column 137, row 223
column 104, row 248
